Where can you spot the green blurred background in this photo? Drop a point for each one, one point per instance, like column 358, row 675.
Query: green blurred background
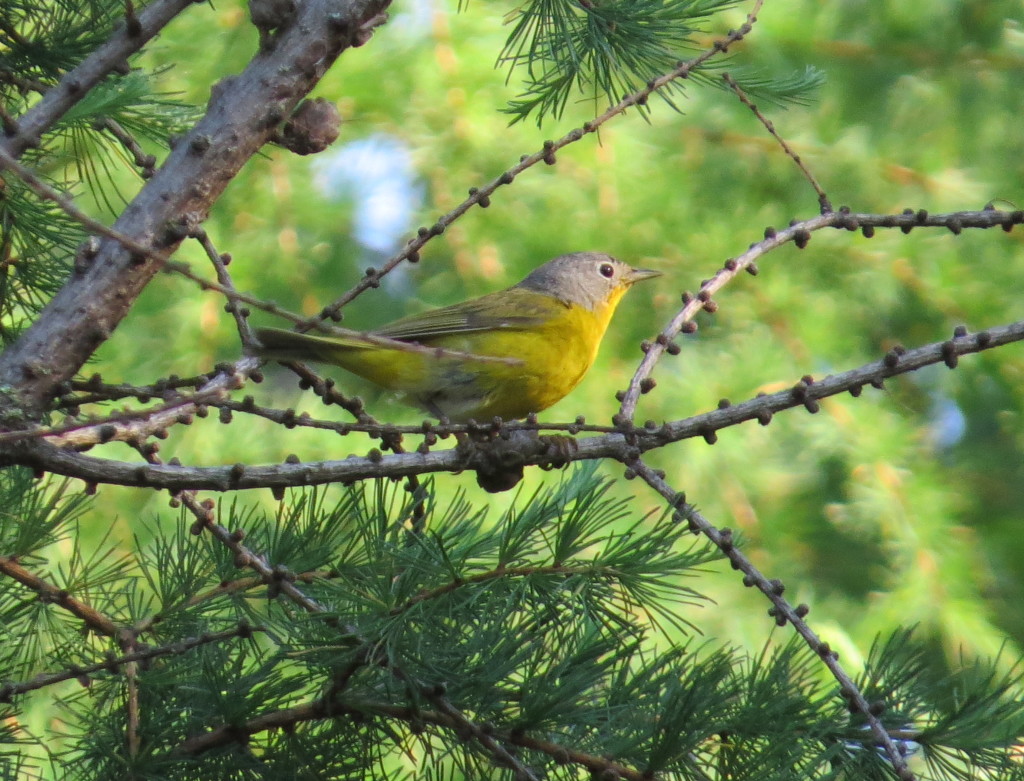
column 901, row 507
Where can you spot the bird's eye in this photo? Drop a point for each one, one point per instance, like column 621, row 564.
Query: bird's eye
column 607, row 270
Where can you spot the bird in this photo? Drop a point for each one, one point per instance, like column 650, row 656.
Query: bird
column 547, row 328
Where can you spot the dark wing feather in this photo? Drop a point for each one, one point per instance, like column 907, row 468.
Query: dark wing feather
column 514, row 308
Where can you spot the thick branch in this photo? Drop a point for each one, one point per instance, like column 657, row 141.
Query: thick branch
column 110, row 56
column 520, row 448
column 243, row 112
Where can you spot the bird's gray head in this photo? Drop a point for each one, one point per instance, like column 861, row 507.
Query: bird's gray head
column 585, row 278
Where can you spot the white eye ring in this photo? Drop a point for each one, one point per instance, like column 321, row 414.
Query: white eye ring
column 606, row 270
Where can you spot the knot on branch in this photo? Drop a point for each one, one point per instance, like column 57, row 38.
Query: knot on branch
column 312, row 128
column 499, row 460
column 270, row 16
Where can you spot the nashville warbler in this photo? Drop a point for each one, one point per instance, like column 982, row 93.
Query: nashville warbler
column 550, row 325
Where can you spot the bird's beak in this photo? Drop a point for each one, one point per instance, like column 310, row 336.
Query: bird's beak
column 635, row 275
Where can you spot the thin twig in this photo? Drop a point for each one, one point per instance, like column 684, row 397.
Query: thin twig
column 503, row 572
column 800, row 234
column 220, row 265
column 390, row 438
column 100, row 63
column 96, row 391
column 481, row 196
column 146, row 163
column 823, row 201
column 67, row 205
column 113, row 664
column 277, row 578
column 120, row 426
column 23, row 83
column 138, row 426
column 13, row 34
column 530, row 451
column 43, row 190
column 783, row 611
column 132, row 713
column 289, row 718
column 64, row 201
column 466, row 725
column 92, row 618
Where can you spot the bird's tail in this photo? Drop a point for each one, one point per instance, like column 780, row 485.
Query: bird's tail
column 280, row 345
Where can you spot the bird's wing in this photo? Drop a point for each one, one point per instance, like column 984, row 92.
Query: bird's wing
column 508, row 309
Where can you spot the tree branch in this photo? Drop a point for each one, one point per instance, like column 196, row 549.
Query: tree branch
column 481, row 196
column 800, row 234
column 243, row 112
column 315, row 711
column 781, row 610
column 92, row 618
column 125, row 41
column 525, row 449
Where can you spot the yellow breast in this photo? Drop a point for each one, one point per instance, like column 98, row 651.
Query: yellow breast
column 553, row 355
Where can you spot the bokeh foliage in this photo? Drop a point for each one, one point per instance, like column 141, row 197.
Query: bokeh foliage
column 902, row 507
